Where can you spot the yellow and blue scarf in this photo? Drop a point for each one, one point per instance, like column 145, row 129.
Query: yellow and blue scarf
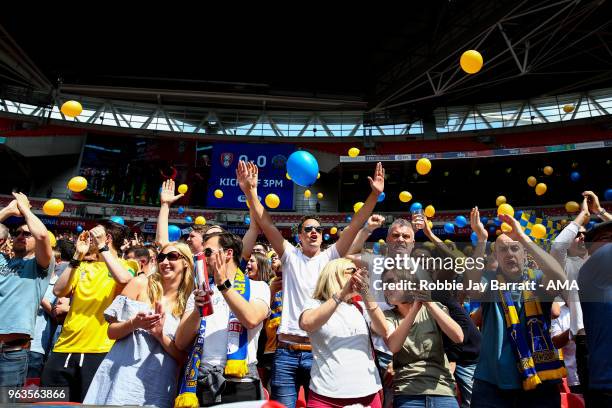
column 538, row 359
column 237, row 336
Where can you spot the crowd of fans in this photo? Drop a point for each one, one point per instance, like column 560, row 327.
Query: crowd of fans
column 116, row 320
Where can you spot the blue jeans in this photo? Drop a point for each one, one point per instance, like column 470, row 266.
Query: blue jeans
column 13, row 368
column 290, row 370
column 424, row 401
column 36, row 362
column 487, row 395
column 464, row 375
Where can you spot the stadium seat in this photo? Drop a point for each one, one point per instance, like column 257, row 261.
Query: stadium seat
column 571, row 400
column 301, row 401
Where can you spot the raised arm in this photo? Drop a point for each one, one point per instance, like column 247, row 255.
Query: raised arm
column 247, row 175
column 474, row 275
column 249, row 239
column 119, row 273
column 42, row 250
column 564, row 240
column 166, row 198
column 10, row 210
column 62, row 286
column 374, row 222
column 377, row 185
column 595, row 207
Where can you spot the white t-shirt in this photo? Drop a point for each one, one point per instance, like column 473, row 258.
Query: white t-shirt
column 342, row 363
column 215, row 338
column 558, row 326
column 300, row 275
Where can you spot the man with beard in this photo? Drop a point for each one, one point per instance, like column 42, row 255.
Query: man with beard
column 515, row 322
column 300, row 270
column 569, row 250
column 23, row 281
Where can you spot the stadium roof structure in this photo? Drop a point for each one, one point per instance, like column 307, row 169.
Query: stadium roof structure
column 387, row 63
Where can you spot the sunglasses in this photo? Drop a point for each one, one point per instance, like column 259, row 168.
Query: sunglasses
column 310, row 228
column 172, row 256
column 26, row 234
column 208, row 252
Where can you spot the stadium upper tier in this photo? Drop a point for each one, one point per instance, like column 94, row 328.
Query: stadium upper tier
column 168, row 120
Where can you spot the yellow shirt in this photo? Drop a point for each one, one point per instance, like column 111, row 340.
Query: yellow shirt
column 93, row 290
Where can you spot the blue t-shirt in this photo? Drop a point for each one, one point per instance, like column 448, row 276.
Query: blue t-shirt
column 497, row 364
column 595, row 283
column 22, row 286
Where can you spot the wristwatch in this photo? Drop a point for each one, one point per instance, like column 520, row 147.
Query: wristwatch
column 74, row 263
column 104, row 248
column 602, row 212
column 224, row 286
column 336, row 299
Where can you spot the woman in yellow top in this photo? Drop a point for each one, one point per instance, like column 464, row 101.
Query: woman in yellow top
column 142, row 366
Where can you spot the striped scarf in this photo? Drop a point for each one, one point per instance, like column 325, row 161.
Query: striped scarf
column 238, row 339
column 538, row 359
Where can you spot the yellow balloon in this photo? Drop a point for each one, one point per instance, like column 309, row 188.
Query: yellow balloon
column 500, row 200
column 471, row 61
column 218, row 193
column 288, row 176
column 568, row 108
column 429, row 224
column 319, row 196
column 505, row 209
column 333, row 230
column 272, row 200
column 357, row 206
column 52, row 239
column 572, row 206
column 53, row 207
column 307, row 193
column 430, row 211
column 71, row 109
column 506, row 227
column 423, row 166
column 381, row 241
column 200, row 220
column 405, row 196
column 540, row 189
column 353, row 152
column 538, row 231
column 182, row 188
column 77, row 184
column 548, row 170
column 532, row 181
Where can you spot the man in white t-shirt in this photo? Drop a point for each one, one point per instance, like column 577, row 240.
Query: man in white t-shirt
column 223, row 251
column 560, row 334
column 301, row 269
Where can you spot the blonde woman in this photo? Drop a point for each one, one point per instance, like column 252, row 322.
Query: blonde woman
column 142, row 366
column 343, row 368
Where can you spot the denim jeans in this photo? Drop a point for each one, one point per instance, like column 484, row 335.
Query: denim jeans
column 464, row 375
column 424, row 401
column 290, row 370
column 13, row 368
column 36, row 362
column 486, row 395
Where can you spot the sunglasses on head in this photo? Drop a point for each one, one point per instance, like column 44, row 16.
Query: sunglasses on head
column 310, row 228
column 172, row 256
column 208, row 251
column 26, row 234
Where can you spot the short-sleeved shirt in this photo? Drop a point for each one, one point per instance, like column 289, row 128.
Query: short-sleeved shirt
column 497, row 364
column 93, row 290
column 595, row 282
column 45, row 327
column 342, row 365
column 421, row 366
column 22, row 286
column 300, row 274
column 558, row 326
column 216, row 335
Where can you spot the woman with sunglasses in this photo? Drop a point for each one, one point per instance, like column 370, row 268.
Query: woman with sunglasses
column 343, row 368
column 142, row 366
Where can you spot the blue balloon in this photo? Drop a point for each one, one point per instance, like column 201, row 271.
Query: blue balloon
column 590, row 225
column 349, row 218
column 79, row 228
column 302, row 168
column 174, row 233
column 449, row 228
column 416, row 206
column 381, row 197
column 247, row 220
column 118, row 219
column 484, row 220
column 181, row 210
column 608, row 194
column 461, row 221
column 492, row 229
column 474, row 238
column 497, row 222
column 575, row 176
column 188, row 219
column 326, row 237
